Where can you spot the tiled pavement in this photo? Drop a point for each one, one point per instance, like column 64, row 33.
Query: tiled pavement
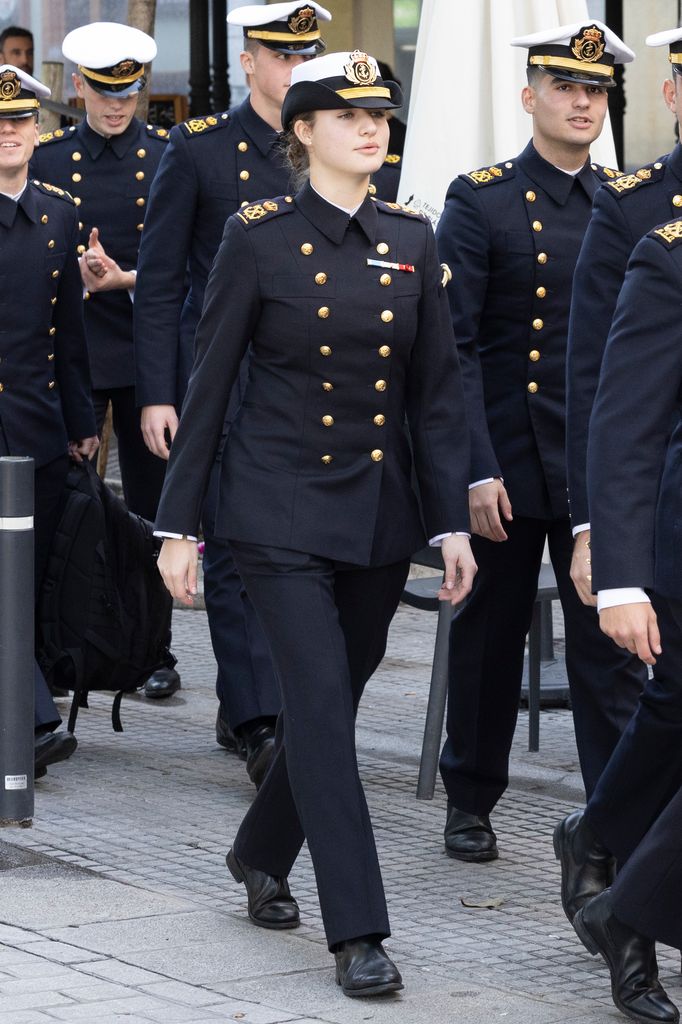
column 117, row 905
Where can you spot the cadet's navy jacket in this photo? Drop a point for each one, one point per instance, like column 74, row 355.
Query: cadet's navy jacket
column 317, row 459
column 44, row 378
column 634, row 466
column 511, row 234
column 110, row 182
column 624, row 210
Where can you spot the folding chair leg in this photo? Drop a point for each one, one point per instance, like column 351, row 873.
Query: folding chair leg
column 534, row 652
column 435, row 712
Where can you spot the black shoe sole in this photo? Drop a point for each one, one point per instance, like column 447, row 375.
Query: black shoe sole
column 238, row 875
column 161, row 694
column 374, row 990
column 473, row 858
column 257, row 767
column 42, row 761
column 564, row 898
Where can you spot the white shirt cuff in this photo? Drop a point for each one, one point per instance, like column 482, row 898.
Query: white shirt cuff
column 580, row 529
column 131, row 291
column 478, row 483
column 620, row 595
column 435, row 542
column 174, row 536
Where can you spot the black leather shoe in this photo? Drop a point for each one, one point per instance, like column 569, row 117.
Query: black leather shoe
column 364, row 968
column 162, row 683
column 587, row 867
column 51, row 747
column 260, row 749
column 228, row 739
column 631, row 959
column 271, row 904
column 469, row 837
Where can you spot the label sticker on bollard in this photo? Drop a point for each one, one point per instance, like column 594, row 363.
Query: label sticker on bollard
column 16, row 781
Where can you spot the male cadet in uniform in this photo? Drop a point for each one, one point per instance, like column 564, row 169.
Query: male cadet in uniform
column 45, row 407
column 16, row 48
column 511, row 235
column 634, row 476
column 625, row 208
column 213, row 166
column 108, row 163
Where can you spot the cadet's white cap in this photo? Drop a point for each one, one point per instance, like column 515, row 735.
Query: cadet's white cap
column 580, row 52
column 111, row 56
column 20, row 94
column 286, row 28
column 673, row 38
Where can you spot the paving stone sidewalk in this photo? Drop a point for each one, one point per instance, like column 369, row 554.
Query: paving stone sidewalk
column 117, row 907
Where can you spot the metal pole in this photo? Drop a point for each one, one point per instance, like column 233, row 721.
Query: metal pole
column 17, row 642
column 199, row 73
column 220, row 89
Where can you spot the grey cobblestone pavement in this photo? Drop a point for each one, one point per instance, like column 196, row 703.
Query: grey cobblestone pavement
column 117, row 906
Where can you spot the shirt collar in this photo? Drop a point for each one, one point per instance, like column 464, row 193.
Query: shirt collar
column 9, row 207
column 674, row 161
column 556, row 183
column 259, row 131
column 333, row 222
column 96, row 143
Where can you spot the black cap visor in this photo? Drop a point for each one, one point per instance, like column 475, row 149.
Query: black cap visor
column 304, row 97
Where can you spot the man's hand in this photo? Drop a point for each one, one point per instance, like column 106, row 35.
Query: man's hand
column 99, row 273
column 486, row 503
column 581, row 569
column 85, row 449
column 154, row 422
column 178, row 566
column 634, row 627
column 460, row 569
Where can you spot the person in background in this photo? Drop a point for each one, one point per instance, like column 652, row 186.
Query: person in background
column 16, row 48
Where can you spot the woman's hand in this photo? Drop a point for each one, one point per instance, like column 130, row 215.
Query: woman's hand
column 178, row 566
column 460, row 569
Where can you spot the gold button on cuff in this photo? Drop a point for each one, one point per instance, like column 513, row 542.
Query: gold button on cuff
column 327, row 385
column 86, row 296
column 387, row 316
column 534, row 355
column 76, row 156
column 141, row 153
column 327, row 459
column 52, row 331
column 532, row 387
column 44, row 219
column 51, row 385
column 328, row 421
column 379, row 420
column 541, row 292
column 380, row 385
column 244, row 175
column 76, row 176
column 55, row 273
column 542, row 257
column 323, row 312
column 242, row 147
column 377, row 455
column 382, row 248
column 325, row 350
column 306, row 249
column 80, row 249
column 537, row 225
column 538, row 324
column 677, row 200
column 50, row 357
column 385, row 279
column 385, row 351
column 530, row 196
column 140, row 201
column 320, row 278
column 50, row 244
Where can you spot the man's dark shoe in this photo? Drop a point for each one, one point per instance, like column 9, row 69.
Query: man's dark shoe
column 363, row 968
column 51, row 747
column 271, row 904
column 260, row 750
column 162, row 683
column 631, row 959
column 469, row 837
column 587, row 867
column 228, row 739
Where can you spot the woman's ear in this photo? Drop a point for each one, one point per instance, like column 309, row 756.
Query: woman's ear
column 303, row 131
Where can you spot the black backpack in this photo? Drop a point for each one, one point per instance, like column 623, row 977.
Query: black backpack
column 104, row 614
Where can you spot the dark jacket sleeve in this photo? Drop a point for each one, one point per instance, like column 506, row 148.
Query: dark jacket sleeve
column 71, row 356
column 464, row 244
column 597, row 282
column 630, row 425
column 161, row 270
column 231, row 310
column 435, row 409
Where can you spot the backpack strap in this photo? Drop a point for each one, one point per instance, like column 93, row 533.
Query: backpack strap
column 116, row 712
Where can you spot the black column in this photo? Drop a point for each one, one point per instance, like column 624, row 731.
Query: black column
column 199, row 76
column 220, row 88
column 617, row 101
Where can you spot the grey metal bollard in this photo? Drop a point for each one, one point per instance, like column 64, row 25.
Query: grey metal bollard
column 17, row 644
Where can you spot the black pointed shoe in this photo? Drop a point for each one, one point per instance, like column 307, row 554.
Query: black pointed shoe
column 271, row 904
column 260, row 750
column 469, row 837
column 587, row 867
column 631, row 959
column 228, row 739
column 364, row 968
column 162, row 683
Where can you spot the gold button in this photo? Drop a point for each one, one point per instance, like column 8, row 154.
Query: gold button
column 377, row 455
column 384, row 351
column 677, row 200
column 379, row 420
column 327, row 459
column 44, row 219
column 141, row 153
column 542, row 257
column 86, row 296
column 139, row 175
column 55, row 273
column 50, row 244
column 532, row 387
column 244, row 175
column 534, row 355
column 52, row 331
column 323, row 312
column 327, row 386
column 76, row 156
column 541, row 292
column 288, row 199
column 50, row 357
column 380, row 385
column 306, row 248
column 242, row 147
column 385, row 279
column 325, row 350
column 320, row 278
column 657, row 166
column 328, row 421
column 382, row 248
column 509, row 165
column 77, row 200
column 140, row 201
column 51, row 385
column 139, row 227
column 80, row 225
column 530, row 196
column 2, row 386
column 537, row 225
column 244, row 203
column 76, row 176
column 538, row 324
column 387, row 316
column 54, row 301
column 80, row 249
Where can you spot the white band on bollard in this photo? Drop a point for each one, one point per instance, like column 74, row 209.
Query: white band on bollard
column 16, row 522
